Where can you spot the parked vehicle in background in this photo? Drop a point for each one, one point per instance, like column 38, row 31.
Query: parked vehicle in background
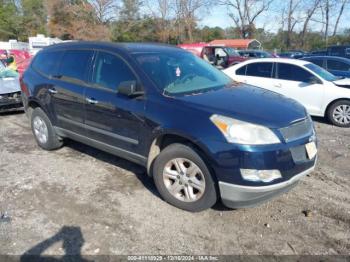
column 318, row 53
column 191, row 126
column 219, row 56
column 338, row 66
column 292, row 54
column 339, row 50
column 255, row 54
column 322, row 93
column 10, row 91
column 22, row 59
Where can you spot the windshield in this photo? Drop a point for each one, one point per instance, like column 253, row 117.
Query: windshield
column 231, row 51
column 322, row 72
column 177, row 73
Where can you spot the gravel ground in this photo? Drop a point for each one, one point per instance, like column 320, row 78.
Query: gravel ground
column 81, row 200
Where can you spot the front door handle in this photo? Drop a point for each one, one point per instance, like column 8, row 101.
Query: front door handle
column 53, row 91
column 92, row 101
column 278, row 85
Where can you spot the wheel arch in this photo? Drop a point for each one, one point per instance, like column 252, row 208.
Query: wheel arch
column 166, row 139
column 333, row 102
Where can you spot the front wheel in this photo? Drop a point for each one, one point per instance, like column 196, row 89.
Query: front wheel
column 339, row 113
column 183, row 179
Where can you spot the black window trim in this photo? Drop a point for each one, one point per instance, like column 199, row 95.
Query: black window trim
column 337, row 62
column 261, row 62
column 92, row 72
column 56, row 66
column 306, row 69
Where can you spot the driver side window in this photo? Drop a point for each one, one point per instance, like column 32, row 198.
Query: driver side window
column 110, row 71
column 293, row 73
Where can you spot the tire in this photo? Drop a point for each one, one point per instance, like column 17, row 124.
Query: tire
column 339, row 113
column 43, row 131
column 195, row 192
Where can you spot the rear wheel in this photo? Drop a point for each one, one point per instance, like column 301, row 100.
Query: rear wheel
column 183, row 179
column 43, row 131
column 339, row 113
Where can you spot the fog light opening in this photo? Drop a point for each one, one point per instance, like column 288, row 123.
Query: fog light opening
column 265, row 176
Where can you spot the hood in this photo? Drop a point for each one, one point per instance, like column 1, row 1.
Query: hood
column 250, row 104
column 343, row 82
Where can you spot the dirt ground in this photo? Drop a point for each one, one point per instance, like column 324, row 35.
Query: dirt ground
column 81, row 200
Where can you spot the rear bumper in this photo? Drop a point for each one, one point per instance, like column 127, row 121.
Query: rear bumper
column 237, row 196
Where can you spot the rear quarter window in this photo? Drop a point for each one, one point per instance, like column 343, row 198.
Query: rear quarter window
column 241, row 71
column 47, row 62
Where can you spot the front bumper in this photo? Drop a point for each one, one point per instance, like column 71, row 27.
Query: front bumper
column 237, row 196
column 12, row 101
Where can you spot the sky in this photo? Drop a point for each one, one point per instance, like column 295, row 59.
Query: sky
column 218, row 17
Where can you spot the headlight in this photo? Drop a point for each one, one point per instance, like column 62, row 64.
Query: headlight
column 239, row 132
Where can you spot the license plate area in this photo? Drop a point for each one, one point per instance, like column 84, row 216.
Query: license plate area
column 311, row 150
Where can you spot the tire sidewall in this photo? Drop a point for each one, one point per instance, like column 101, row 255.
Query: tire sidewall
column 53, row 141
column 331, row 111
column 173, row 151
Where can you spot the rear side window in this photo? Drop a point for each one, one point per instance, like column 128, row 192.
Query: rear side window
column 110, row 71
column 241, row 71
column 293, row 73
column 337, row 65
column 260, row 70
column 74, row 64
column 47, row 62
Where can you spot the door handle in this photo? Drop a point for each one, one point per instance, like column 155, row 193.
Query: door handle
column 92, row 101
column 53, row 91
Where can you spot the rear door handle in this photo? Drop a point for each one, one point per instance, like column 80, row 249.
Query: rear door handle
column 53, row 91
column 92, row 101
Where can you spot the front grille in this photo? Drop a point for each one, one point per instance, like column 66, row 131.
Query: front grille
column 298, row 130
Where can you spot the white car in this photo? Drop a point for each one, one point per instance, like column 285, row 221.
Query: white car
column 322, row 93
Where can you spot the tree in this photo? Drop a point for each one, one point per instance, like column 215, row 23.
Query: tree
column 162, row 13
column 310, row 8
column 34, row 17
column 343, row 4
column 244, row 14
column 74, row 19
column 104, row 9
column 186, row 15
column 10, row 26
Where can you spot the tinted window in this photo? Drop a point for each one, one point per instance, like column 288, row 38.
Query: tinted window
column 337, row 65
column 260, row 69
column 293, row 73
column 110, row 71
column 318, row 62
column 74, row 64
column 241, row 71
column 47, row 62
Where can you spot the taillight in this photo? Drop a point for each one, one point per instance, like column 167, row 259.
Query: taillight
column 23, row 86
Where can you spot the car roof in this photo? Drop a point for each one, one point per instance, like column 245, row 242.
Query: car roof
column 126, row 47
column 276, row 60
column 329, row 57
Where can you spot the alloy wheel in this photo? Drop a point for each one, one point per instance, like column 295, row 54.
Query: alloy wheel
column 40, row 130
column 341, row 114
column 184, row 180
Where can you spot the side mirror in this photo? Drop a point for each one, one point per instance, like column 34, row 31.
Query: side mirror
column 129, row 88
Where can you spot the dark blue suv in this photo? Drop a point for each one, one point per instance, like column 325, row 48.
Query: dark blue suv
column 200, row 135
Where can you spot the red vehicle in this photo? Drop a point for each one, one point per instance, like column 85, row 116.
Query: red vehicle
column 218, row 55
column 22, row 59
